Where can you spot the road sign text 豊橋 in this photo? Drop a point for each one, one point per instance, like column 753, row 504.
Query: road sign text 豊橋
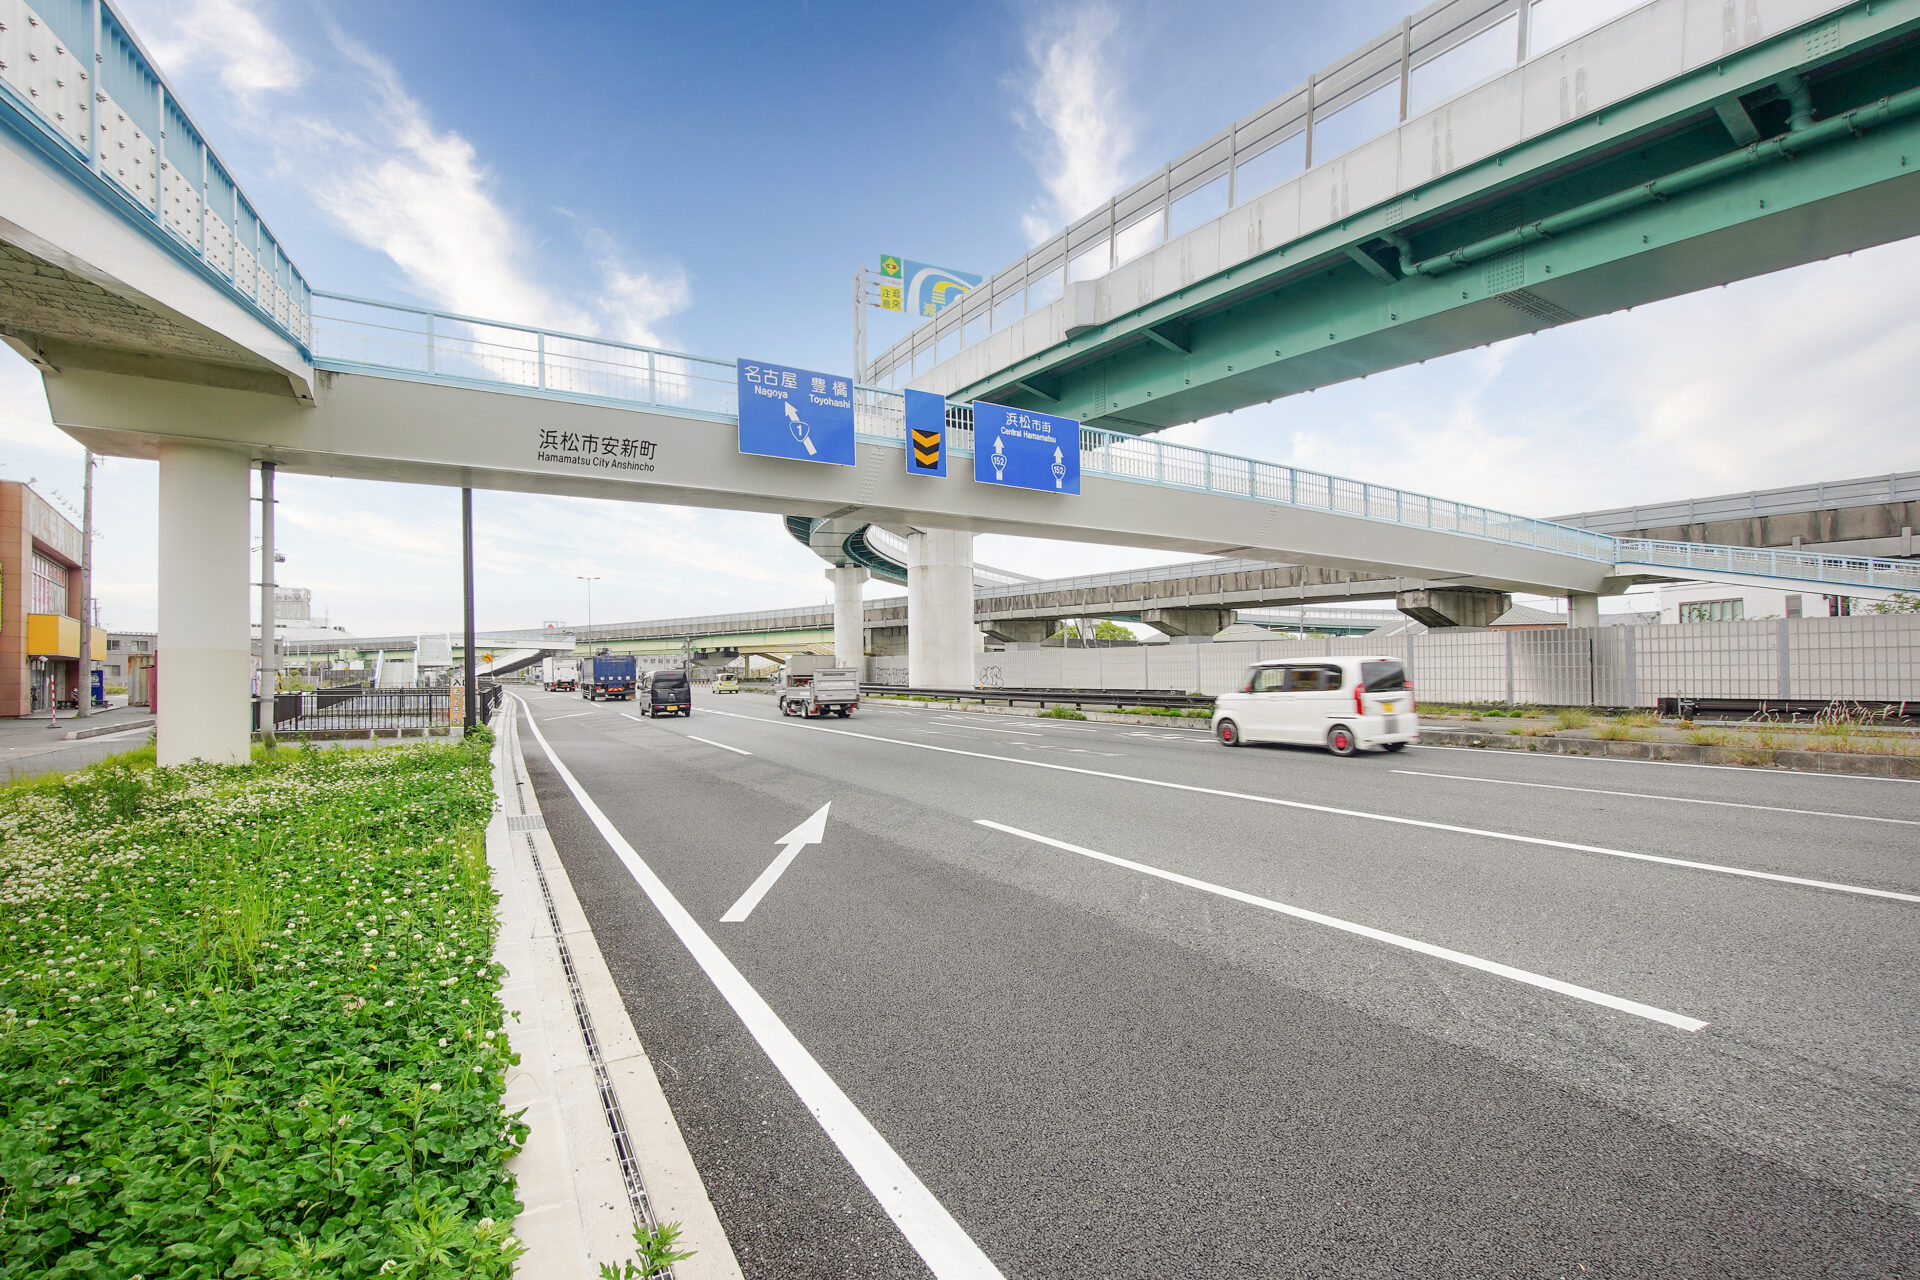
column 1025, row 449
column 795, row 413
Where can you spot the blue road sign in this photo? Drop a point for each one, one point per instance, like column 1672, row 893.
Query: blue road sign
column 1025, row 449
column 930, row 289
column 926, row 434
column 795, row 413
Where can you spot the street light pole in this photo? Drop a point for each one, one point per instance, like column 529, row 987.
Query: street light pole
column 589, row 581
column 84, row 703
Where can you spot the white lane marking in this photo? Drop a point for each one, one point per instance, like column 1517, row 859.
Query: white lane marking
column 1484, row 752
column 1588, row 994
column 942, row 1243
column 1648, row 795
column 981, row 728
column 1539, row 841
column 723, row 746
column 575, row 716
column 812, row 831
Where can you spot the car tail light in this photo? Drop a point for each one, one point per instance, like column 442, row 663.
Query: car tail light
column 1409, row 687
column 1359, row 700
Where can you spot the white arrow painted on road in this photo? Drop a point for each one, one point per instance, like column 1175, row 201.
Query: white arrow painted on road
column 812, row 831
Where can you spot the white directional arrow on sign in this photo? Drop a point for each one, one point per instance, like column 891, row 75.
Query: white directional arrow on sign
column 812, row 831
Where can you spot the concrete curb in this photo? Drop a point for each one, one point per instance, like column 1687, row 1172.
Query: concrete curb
column 101, row 731
column 578, row 1211
column 1193, row 723
column 1865, row 766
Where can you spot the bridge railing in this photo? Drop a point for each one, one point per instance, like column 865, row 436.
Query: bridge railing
column 85, row 88
column 1797, row 566
column 391, row 338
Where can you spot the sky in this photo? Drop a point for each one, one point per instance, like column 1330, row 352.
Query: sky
column 660, row 174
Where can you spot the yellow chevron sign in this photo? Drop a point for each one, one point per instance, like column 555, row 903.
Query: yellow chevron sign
column 926, row 448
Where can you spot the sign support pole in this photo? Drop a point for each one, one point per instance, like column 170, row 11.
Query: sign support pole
column 466, row 558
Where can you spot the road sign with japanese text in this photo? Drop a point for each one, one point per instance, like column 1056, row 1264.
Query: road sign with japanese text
column 795, row 413
column 1024, row 449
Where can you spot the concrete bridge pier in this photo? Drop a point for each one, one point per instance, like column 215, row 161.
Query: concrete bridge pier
column 1188, row 622
column 1583, row 610
column 1454, row 606
column 204, row 662
column 1020, row 630
column 941, row 637
column 849, row 613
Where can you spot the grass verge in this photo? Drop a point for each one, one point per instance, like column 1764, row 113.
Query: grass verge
column 251, row 1023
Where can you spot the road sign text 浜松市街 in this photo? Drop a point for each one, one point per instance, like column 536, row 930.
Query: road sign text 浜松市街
column 795, row 413
column 1025, row 449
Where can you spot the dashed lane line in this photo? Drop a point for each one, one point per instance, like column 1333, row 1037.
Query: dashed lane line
column 1621, row 1004
column 723, row 746
column 942, row 1243
column 1395, row 819
column 1648, row 795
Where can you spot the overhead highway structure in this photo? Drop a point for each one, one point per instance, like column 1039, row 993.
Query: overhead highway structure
column 1473, row 175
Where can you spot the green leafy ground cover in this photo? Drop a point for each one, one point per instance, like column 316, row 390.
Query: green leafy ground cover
column 249, row 1022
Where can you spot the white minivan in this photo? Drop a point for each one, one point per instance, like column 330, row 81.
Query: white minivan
column 1344, row 704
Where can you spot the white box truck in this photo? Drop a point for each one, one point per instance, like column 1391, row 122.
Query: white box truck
column 813, row 686
column 560, row 675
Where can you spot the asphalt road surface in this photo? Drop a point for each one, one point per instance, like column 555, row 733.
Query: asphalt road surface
column 1092, row 1000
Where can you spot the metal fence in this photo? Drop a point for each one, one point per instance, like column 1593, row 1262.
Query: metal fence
column 363, row 709
column 1872, row 659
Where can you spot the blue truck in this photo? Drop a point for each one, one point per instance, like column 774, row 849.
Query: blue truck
column 608, row 678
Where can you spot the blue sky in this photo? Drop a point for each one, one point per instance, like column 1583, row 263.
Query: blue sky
column 709, row 177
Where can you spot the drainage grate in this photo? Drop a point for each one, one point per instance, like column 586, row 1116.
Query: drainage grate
column 616, row 1119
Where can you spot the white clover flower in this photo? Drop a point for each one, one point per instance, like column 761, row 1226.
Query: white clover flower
column 73, row 1179
column 435, row 1086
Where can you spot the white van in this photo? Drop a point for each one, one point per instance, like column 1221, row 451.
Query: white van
column 1345, row 704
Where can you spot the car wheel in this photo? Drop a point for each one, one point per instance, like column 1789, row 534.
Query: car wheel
column 1341, row 742
column 1396, row 746
column 1229, row 734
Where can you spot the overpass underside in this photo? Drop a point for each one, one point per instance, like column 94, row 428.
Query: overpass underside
column 1716, row 176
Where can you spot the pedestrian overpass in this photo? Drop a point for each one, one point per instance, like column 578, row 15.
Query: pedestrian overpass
column 169, row 324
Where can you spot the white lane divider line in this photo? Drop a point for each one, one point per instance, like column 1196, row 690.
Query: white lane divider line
column 981, row 728
column 812, row 831
column 1395, row 819
column 723, row 746
column 575, row 716
column 942, row 1243
column 1622, row 1005
column 1648, row 795
column 1672, row 764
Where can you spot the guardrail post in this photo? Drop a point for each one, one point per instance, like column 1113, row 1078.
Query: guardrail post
column 540, row 356
column 653, row 386
column 1209, row 472
column 430, row 356
column 93, row 88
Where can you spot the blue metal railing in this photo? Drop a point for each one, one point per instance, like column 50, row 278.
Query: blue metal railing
column 82, row 86
column 388, row 338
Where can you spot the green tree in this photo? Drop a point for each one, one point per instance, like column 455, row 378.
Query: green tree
column 1900, row 602
column 1104, row 629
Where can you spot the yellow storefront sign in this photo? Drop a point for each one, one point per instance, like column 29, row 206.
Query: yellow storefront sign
column 54, row 635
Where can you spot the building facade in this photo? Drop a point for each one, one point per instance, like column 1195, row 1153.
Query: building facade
column 40, row 604
column 1720, row 602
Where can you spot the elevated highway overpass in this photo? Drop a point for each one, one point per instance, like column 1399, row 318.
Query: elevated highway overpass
column 169, row 325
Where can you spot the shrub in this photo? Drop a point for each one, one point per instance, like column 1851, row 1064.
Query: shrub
column 1572, row 718
column 250, row 1021
column 1062, row 713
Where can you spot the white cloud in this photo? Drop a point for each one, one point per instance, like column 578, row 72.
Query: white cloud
column 229, row 36
column 1080, row 131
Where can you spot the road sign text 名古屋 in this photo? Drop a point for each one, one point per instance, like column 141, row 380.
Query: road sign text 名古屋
column 1025, row 449
column 795, row 413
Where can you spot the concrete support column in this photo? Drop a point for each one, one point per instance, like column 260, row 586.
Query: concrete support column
column 1020, row 630
column 1186, row 622
column 205, row 643
column 1583, row 610
column 941, row 636
column 1454, row 606
column 849, row 613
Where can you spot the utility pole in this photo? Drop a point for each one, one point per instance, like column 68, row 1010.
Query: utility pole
column 589, row 581
column 85, row 700
column 466, row 557
column 269, row 666
column 860, row 324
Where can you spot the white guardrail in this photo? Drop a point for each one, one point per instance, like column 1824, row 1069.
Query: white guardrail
column 386, row 338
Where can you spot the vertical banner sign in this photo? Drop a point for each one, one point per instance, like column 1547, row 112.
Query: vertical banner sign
column 795, row 413
column 891, row 285
column 926, row 434
column 1024, row 449
column 930, row 289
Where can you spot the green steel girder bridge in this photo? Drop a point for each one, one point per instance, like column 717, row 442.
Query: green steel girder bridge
column 1565, row 178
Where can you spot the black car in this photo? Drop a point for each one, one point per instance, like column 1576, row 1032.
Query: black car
column 667, row 691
